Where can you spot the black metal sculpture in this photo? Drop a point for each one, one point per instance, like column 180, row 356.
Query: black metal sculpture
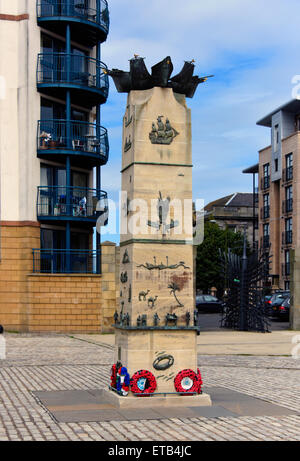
column 245, row 276
column 138, row 78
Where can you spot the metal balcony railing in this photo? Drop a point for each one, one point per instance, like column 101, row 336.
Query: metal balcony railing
column 265, row 212
column 287, row 206
column 53, row 261
column 286, row 269
column 70, row 202
column 72, row 69
column 76, row 136
column 287, row 237
column 79, row 9
column 265, row 182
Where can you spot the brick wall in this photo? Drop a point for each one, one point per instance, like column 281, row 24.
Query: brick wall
column 17, row 241
column 53, row 302
column 64, row 303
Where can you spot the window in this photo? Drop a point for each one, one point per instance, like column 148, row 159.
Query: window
column 266, row 230
column 265, row 182
column 266, row 170
column 289, row 160
column 266, row 200
column 287, row 256
column 289, row 193
column 289, row 167
column 287, row 285
column 276, row 137
column 276, row 164
column 289, row 225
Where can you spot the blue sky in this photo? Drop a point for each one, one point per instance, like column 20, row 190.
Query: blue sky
column 252, row 48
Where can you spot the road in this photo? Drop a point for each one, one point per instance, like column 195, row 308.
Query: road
column 211, row 322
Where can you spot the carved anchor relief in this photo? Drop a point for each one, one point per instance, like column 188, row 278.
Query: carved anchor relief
column 163, row 133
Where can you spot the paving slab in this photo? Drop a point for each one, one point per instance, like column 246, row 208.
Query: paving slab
column 245, row 405
column 91, row 405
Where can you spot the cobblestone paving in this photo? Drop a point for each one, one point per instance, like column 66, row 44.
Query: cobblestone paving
column 63, row 363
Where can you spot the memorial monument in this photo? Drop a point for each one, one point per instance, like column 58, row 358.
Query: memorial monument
column 156, row 340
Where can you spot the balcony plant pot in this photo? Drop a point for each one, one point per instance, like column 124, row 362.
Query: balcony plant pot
column 52, row 144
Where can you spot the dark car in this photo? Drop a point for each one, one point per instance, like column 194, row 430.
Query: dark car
column 208, row 304
column 277, row 300
column 282, row 311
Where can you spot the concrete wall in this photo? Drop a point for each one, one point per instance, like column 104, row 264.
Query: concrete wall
column 19, row 110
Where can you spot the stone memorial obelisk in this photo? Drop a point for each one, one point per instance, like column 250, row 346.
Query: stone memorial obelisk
column 156, row 340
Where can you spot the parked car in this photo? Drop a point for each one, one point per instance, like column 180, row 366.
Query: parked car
column 277, row 300
column 208, row 304
column 282, row 311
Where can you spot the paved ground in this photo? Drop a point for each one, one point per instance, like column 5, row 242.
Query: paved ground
column 45, row 363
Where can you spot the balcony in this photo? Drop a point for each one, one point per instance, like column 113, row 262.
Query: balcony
column 84, row 141
column 85, row 77
column 89, row 21
column 265, row 183
column 265, row 212
column 287, row 206
column 59, row 203
column 286, row 269
column 287, row 174
column 287, row 238
column 53, row 261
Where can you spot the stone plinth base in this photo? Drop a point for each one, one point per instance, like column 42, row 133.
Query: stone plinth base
column 132, row 402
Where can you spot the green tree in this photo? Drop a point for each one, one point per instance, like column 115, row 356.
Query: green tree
column 208, row 268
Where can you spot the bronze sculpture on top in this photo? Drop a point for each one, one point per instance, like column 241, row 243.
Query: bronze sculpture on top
column 138, row 78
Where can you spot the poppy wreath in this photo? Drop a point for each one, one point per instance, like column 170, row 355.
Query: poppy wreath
column 187, row 375
column 150, row 385
column 113, row 376
column 200, row 382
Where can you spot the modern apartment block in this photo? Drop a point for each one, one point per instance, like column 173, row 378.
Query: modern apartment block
column 279, row 197
column 52, row 146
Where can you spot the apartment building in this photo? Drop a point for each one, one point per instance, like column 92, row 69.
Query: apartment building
column 235, row 212
column 52, row 146
column 279, row 197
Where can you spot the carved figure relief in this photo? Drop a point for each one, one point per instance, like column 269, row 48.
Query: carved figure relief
column 143, row 295
column 161, row 266
column 174, row 288
column 163, row 133
column 126, row 259
column 152, row 301
column 128, row 144
column 163, row 208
